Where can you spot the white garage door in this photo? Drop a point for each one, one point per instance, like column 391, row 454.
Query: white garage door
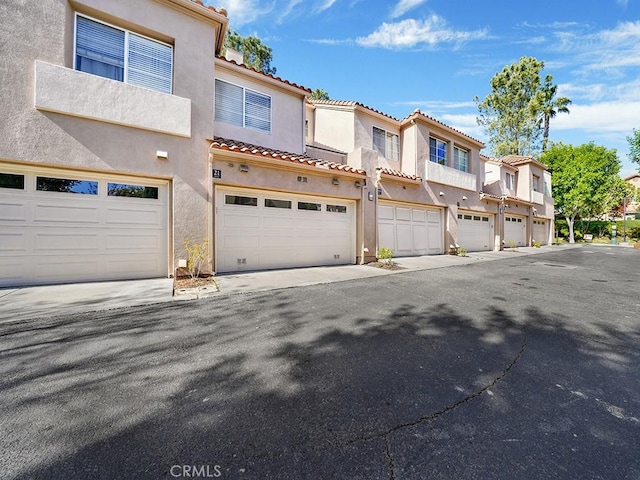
column 59, row 226
column 409, row 230
column 515, row 231
column 540, row 231
column 475, row 231
column 257, row 230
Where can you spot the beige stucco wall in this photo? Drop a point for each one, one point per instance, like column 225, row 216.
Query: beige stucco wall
column 39, row 137
column 287, row 112
column 335, row 127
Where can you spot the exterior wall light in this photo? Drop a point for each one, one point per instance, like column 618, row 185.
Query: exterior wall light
column 441, row 194
column 335, row 181
column 244, row 168
column 162, row 154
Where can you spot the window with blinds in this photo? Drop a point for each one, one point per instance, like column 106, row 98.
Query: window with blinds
column 386, row 143
column 242, row 107
column 124, row 56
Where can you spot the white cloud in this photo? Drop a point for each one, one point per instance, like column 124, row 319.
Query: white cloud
column 465, row 123
column 611, row 116
column 327, row 4
column 409, row 33
column 242, row 12
column 403, row 6
column 622, row 3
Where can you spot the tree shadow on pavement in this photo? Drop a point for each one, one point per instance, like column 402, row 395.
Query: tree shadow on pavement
column 415, row 391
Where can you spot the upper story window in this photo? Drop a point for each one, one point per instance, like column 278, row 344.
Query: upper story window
column 536, row 183
column 118, row 54
column 242, row 107
column 386, row 143
column 437, row 151
column 510, row 181
column 460, row 159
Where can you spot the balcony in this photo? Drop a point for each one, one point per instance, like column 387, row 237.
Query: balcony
column 63, row 90
column 450, row 176
column 537, row 198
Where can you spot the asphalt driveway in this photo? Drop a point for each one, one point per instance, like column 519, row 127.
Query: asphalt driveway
column 527, row 367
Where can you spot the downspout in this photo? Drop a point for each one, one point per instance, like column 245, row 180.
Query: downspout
column 210, row 216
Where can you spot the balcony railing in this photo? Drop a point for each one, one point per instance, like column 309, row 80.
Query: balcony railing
column 64, row 90
column 537, row 197
column 450, row 176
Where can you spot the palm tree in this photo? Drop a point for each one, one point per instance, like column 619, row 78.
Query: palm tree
column 550, row 106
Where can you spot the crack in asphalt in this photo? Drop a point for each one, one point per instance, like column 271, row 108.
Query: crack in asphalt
column 328, row 444
column 426, row 418
column 391, row 461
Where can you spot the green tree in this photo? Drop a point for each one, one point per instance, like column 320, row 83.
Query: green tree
column 510, row 113
column 583, row 178
column 634, row 147
column 550, row 106
column 256, row 54
column 319, row 94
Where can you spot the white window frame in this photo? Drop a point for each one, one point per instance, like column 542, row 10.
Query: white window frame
column 510, row 180
column 535, row 183
column 456, row 160
column 391, row 144
column 127, row 34
column 446, row 149
column 244, row 107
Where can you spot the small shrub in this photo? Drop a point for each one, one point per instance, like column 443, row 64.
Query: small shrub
column 385, row 255
column 461, row 252
column 197, row 256
column 536, row 244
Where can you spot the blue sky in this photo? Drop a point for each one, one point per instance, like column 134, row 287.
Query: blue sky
column 437, row 55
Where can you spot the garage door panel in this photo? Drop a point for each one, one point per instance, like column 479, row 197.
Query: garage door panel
column 240, row 240
column 278, row 222
column 48, row 242
column 14, row 212
column 419, row 216
column 13, row 242
column 385, row 212
column 229, row 220
column 134, row 217
column 404, row 238
column 420, row 239
column 151, row 242
column 65, row 214
column 403, row 214
column 143, row 265
column 65, row 268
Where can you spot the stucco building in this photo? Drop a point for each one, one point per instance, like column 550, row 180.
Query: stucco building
column 126, row 134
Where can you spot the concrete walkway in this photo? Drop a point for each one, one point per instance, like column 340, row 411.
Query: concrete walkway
column 45, row 301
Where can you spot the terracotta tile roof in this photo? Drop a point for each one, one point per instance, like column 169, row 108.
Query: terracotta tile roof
column 490, row 196
column 397, row 173
column 350, row 103
column 220, row 143
column 508, row 198
column 515, row 160
column 220, row 10
column 286, row 82
column 418, row 113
